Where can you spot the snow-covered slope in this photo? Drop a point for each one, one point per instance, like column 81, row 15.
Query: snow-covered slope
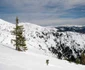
column 63, row 44
column 5, row 35
column 11, row 59
column 46, row 40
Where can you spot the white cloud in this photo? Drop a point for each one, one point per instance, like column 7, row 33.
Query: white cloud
column 43, row 12
column 73, row 3
column 24, row 4
column 40, row 5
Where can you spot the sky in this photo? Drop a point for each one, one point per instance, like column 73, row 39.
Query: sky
column 44, row 12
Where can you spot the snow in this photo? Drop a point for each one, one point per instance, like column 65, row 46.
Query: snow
column 11, row 59
column 35, row 57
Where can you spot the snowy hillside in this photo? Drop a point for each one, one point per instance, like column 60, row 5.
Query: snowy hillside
column 40, row 40
column 62, row 45
column 11, row 59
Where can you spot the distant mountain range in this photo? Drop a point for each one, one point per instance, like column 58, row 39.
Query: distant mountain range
column 71, row 28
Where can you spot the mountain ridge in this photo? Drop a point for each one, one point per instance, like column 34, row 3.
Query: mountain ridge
column 48, row 40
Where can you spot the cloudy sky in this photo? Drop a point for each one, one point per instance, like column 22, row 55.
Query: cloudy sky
column 44, row 12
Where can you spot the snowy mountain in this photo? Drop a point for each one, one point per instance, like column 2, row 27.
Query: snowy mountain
column 62, row 44
column 44, row 40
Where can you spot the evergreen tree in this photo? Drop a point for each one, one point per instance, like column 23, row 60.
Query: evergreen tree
column 83, row 58
column 19, row 37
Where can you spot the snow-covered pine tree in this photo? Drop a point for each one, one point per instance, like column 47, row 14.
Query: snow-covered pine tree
column 19, row 37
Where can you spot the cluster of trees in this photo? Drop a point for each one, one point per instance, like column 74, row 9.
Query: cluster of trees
column 82, row 59
column 20, row 41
